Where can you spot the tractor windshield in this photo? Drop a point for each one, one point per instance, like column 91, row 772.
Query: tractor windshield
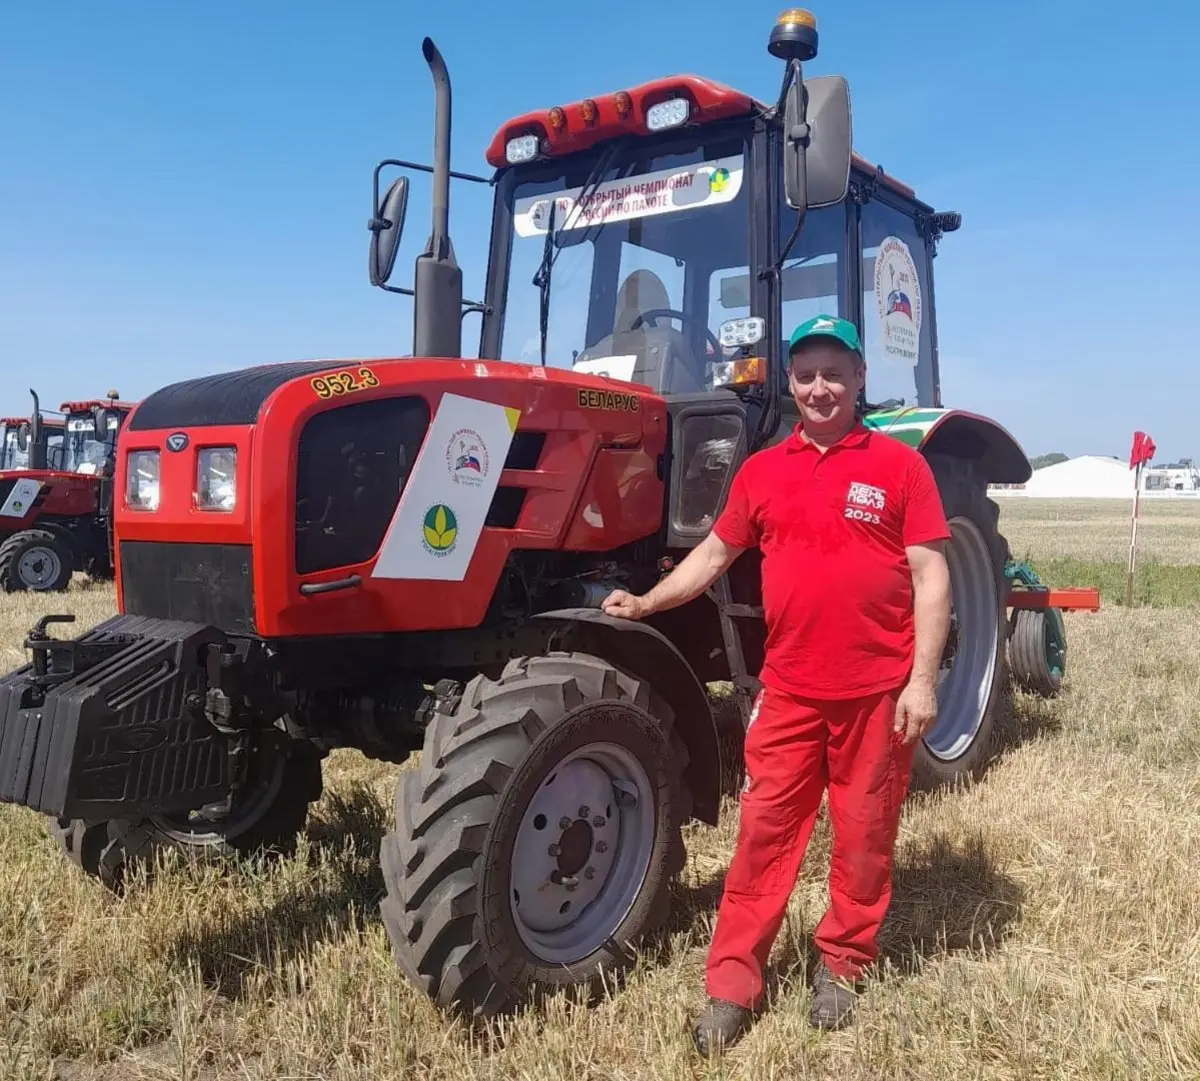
column 83, row 452
column 617, row 260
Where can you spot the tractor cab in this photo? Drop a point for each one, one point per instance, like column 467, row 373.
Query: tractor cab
column 91, row 427
column 21, row 448
column 671, row 236
column 31, row 443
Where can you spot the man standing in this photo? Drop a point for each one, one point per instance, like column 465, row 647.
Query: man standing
column 856, row 598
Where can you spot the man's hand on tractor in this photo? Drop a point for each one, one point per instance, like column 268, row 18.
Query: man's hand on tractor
column 916, row 710
column 624, row 605
column 702, row 566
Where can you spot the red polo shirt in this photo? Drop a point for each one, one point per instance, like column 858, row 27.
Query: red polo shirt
column 837, row 589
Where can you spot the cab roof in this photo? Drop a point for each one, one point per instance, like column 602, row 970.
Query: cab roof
column 580, row 125
column 16, row 422
column 87, row 405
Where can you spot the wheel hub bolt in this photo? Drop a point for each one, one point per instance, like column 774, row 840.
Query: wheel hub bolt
column 554, row 851
column 584, row 812
column 564, row 823
column 599, row 821
column 601, row 846
column 589, row 872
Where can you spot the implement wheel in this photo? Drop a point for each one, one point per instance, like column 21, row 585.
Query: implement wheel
column 1037, row 650
column 535, row 843
column 968, row 691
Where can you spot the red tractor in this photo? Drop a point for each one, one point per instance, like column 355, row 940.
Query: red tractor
column 33, row 442
column 407, row 555
column 56, row 516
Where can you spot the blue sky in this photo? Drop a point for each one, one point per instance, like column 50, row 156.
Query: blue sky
column 185, row 187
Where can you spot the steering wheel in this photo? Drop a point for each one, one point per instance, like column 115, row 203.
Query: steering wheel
column 652, row 315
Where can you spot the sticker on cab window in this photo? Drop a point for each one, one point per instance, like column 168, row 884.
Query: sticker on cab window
column 898, row 300
column 667, row 191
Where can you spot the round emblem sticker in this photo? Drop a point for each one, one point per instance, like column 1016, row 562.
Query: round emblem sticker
column 467, row 458
column 439, row 530
column 898, row 299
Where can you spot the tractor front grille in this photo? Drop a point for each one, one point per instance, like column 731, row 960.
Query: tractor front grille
column 197, row 583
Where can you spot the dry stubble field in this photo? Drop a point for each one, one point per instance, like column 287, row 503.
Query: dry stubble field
column 1046, row 922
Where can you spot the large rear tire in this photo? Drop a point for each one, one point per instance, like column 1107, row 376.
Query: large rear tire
column 35, row 560
column 959, row 744
column 267, row 815
column 535, row 843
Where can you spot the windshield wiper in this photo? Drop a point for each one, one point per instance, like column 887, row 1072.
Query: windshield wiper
column 550, row 252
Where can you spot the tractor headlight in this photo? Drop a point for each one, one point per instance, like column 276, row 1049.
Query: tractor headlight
column 216, row 478
column 141, row 480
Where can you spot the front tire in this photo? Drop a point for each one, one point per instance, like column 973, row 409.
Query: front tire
column 958, row 745
column 498, row 882
column 267, row 816
column 35, row 560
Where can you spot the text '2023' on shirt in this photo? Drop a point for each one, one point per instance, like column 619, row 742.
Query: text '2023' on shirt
column 836, row 584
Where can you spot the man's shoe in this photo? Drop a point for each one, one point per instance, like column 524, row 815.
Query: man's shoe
column 720, row 1026
column 833, row 1000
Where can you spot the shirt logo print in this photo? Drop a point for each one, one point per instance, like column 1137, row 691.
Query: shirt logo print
column 864, row 501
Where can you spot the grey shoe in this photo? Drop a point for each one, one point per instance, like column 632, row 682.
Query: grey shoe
column 720, row 1026
column 833, row 1000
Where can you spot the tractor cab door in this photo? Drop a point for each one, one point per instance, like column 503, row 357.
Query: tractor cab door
column 868, row 260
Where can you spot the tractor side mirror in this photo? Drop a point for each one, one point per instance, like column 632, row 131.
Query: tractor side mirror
column 817, row 142
column 23, row 436
column 386, row 225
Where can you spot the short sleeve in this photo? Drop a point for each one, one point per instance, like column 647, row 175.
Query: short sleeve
column 737, row 524
column 924, row 515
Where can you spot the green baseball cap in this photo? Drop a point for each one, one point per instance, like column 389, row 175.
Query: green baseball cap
column 827, row 326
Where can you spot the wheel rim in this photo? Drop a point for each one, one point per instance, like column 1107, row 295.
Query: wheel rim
column 582, row 852
column 216, row 823
column 969, row 667
column 39, row 567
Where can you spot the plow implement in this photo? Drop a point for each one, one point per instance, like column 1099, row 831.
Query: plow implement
column 1037, row 637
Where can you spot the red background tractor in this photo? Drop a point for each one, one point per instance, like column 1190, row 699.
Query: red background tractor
column 56, row 519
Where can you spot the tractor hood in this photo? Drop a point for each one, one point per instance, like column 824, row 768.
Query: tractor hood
column 243, row 397
column 27, row 493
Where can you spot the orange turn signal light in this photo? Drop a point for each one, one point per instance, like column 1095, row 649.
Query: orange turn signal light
column 742, row 373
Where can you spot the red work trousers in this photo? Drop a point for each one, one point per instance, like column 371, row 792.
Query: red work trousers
column 794, row 750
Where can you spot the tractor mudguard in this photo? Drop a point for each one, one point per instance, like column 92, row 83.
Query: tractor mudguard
column 112, row 723
column 957, row 434
column 650, row 655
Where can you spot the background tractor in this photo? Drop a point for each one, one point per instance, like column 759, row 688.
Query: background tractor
column 56, row 517
column 407, row 554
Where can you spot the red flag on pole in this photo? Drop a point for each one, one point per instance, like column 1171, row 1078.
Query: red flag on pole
column 1142, row 451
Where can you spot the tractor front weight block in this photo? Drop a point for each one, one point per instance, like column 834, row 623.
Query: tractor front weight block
column 117, row 722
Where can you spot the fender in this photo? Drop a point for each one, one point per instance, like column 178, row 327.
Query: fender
column 649, row 654
column 960, row 434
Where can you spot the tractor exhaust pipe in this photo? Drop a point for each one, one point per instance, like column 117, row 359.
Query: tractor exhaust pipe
column 437, row 284
column 37, row 448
